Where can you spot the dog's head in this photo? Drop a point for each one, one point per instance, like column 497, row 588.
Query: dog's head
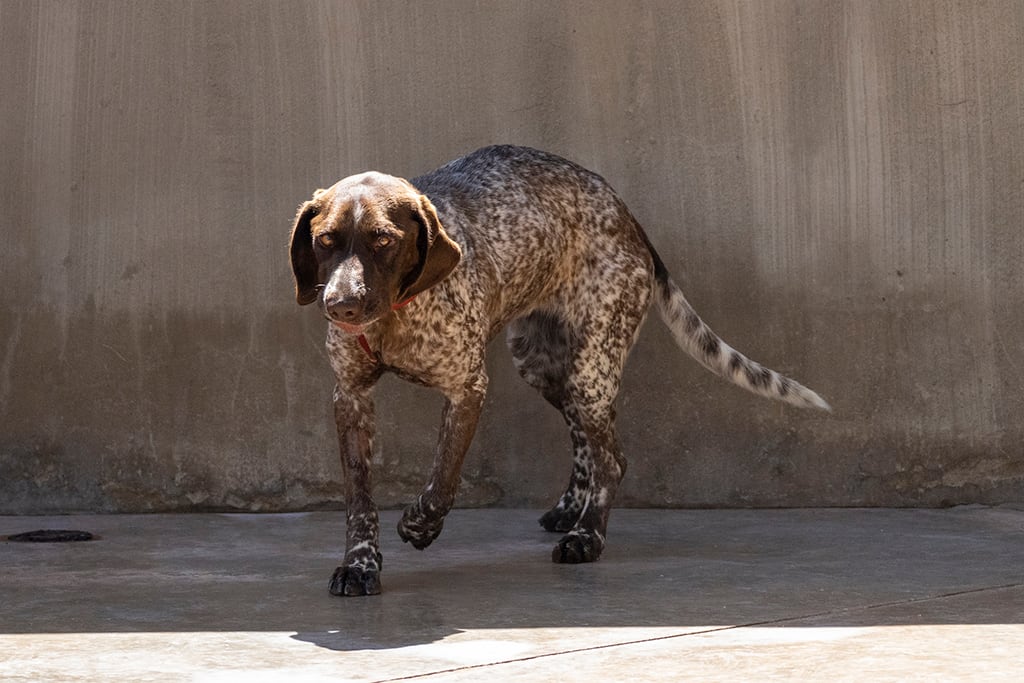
column 365, row 245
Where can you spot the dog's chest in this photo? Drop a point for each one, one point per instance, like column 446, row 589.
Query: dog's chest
column 436, row 341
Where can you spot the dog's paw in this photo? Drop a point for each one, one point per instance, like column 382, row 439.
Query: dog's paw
column 559, row 519
column 418, row 528
column 578, row 546
column 349, row 580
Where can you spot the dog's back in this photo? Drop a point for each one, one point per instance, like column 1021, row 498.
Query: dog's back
column 542, row 231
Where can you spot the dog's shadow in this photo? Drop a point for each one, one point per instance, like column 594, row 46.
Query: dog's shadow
column 419, row 607
column 395, row 636
column 344, row 642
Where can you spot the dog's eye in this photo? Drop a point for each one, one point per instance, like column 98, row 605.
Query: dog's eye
column 383, row 241
column 326, row 240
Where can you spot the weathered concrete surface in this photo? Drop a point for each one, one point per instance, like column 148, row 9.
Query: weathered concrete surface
column 839, row 186
column 810, row 595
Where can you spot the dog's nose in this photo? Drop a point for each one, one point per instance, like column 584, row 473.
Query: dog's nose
column 345, row 309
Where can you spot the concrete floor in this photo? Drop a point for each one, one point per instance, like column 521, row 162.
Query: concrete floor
column 679, row 595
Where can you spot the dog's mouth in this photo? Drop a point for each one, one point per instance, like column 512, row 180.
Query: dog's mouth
column 349, row 328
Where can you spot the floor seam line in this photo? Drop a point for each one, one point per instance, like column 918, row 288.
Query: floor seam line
column 516, row 660
column 718, row 629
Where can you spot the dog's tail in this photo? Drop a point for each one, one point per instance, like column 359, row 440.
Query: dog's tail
column 697, row 339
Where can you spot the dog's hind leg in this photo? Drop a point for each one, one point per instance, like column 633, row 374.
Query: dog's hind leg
column 602, row 327
column 541, row 352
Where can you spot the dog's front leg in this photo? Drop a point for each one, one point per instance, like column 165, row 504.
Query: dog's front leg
column 423, row 519
column 359, row 573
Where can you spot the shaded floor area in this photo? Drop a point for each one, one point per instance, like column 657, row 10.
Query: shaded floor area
column 678, row 595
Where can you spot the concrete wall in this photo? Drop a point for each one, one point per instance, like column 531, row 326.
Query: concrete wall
column 839, row 186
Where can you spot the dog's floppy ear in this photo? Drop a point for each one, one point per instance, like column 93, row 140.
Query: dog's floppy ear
column 438, row 253
column 304, row 266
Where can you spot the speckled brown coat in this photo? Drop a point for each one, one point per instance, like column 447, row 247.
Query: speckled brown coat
column 416, row 276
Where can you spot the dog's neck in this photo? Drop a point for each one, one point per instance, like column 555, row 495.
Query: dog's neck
column 365, row 345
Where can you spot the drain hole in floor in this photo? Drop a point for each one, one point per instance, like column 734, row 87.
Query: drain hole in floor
column 51, row 536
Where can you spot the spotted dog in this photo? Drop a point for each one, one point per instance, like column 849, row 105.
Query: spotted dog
column 416, row 276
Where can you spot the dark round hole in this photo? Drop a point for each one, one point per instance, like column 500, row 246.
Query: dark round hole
column 51, row 536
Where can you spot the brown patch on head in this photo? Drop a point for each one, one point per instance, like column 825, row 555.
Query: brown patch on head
column 372, row 238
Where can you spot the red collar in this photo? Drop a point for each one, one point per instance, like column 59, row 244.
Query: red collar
column 375, row 357
column 402, row 304
column 366, row 347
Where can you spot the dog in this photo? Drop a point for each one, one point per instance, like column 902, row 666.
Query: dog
column 414, row 277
